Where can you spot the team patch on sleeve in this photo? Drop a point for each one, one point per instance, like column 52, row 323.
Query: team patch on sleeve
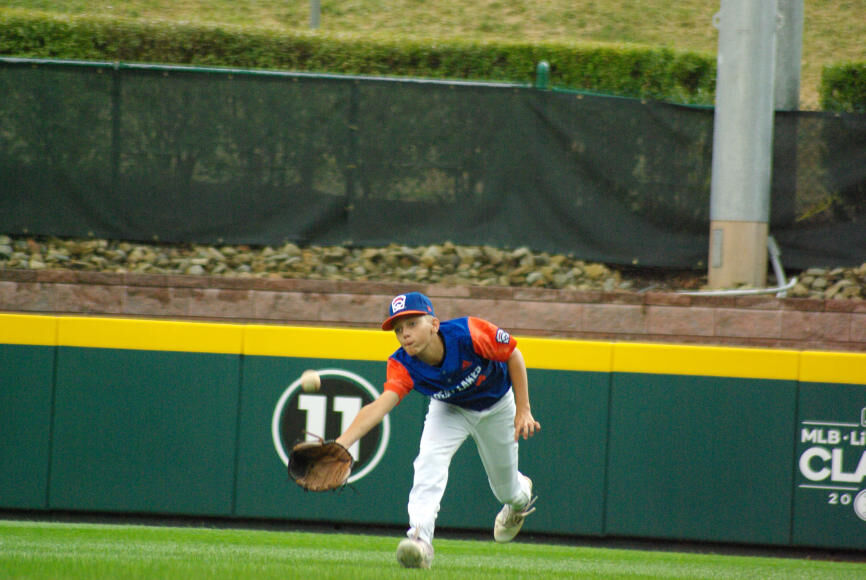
column 490, row 341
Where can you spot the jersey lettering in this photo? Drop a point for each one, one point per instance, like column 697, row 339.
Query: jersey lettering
column 464, row 384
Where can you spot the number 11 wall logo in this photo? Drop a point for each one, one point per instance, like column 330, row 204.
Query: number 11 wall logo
column 327, row 413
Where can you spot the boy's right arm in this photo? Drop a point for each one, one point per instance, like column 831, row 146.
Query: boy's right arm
column 368, row 417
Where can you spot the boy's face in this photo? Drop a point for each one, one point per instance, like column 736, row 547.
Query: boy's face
column 416, row 333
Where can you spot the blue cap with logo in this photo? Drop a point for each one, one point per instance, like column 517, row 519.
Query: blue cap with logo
column 411, row 303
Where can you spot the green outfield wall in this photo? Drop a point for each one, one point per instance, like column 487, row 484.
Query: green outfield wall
column 739, row 445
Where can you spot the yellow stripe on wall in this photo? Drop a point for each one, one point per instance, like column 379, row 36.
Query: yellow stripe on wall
column 375, row 345
column 304, row 342
column 28, row 329
column 833, row 367
column 160, row 335
column 567, row 355
column 706, row 361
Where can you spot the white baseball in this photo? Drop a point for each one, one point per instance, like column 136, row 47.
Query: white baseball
column 310, row 381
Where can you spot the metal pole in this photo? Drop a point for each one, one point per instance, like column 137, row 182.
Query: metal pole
column 116, row 95
column 542, row 75
column 789, row 52
column 742, row 143
column 315, row 13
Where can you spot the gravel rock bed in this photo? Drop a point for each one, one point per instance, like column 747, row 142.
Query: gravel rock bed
column 445, row 263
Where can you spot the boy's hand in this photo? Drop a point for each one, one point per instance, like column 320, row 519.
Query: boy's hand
column 525, row 425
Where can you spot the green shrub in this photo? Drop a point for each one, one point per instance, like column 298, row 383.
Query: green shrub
column 628, row 70
column 843, row 87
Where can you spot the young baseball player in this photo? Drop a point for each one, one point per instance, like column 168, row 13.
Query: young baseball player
column 475, row 377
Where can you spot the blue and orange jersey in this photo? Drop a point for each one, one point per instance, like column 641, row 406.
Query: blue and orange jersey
column 473, row 374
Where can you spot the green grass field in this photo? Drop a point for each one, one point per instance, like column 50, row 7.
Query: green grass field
column 833, row 31
column 73, row 550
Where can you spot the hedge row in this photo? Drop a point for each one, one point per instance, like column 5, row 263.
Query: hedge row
column 626, row 70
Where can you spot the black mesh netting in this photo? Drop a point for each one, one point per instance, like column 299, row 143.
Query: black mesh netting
column 187, row 155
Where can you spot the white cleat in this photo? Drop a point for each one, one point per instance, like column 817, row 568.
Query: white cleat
column 509, row 520
column 414, row 553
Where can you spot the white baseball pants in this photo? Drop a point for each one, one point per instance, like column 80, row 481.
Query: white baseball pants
column 445, row 429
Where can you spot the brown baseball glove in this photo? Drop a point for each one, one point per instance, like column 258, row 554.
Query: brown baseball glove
column 320, row 465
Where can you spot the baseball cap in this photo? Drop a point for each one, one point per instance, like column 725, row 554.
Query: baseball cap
column 411, row 303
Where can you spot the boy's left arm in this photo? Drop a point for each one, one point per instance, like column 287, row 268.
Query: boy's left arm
column 525, row 424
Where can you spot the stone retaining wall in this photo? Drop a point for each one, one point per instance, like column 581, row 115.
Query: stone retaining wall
column 766, row 321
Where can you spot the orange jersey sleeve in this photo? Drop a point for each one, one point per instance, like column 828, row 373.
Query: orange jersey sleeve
column 489, row 340
column 398, row 379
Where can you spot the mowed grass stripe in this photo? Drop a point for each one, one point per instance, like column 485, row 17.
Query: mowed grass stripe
column 97, row 551
column 63, row 550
